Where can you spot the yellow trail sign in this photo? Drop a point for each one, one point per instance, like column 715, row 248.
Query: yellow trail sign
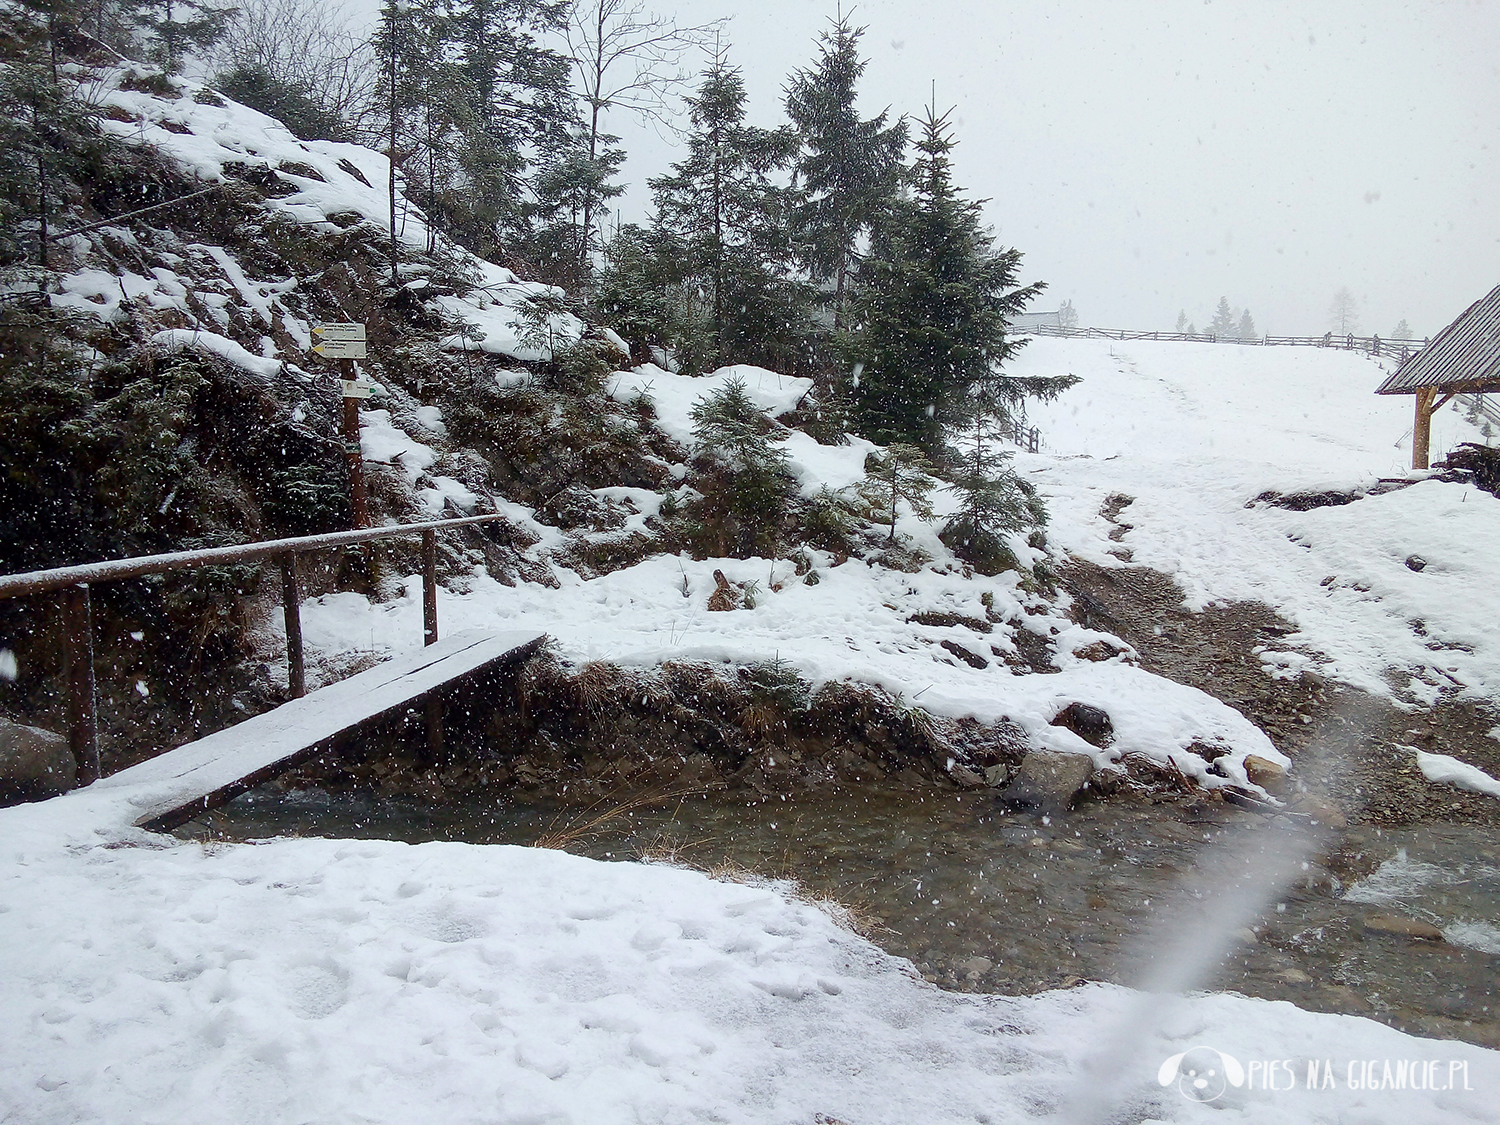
column 332, row 332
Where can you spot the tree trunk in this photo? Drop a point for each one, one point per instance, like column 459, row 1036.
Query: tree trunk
column 391, row 187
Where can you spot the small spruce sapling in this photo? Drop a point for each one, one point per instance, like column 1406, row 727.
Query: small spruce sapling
column 749, row 488
column 539, row 321
column 992, row 499
column 902, row 472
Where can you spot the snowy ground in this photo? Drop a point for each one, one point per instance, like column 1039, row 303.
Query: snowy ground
column 313, row 980
column 299, row 980
column 854, row 624
column 1195, row 432
column 366, row 981
column 218, row 141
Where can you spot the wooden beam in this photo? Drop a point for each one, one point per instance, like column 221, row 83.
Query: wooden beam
column 1442, row 402
column 1421, row 434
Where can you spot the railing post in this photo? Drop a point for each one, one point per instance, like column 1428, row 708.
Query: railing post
column 429, row 588
column 291, row 609
column 78, row 642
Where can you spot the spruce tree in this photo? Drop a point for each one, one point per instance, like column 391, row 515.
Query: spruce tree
column 747, row 487
column 517, row 103
column 1182, row 321
column 901, row 472
column 48, row 135
column 1402, row 331
column 574, row 179
column 646, row 294
column 848, row 167
column 174, row 27
column 993, row 500
column 935, row 296
column 725, row 220
column 1223, row 323
column 1246, row 330
column 1067, row 315
column 470, row 96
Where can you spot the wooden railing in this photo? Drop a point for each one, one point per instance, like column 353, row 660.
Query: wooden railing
column 78, row 635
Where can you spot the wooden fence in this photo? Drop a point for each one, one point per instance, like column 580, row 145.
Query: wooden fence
column 1372, row 345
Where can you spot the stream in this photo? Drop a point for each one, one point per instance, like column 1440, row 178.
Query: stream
column 982, row 899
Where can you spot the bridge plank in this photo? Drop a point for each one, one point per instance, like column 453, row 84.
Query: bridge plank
column 175, row 786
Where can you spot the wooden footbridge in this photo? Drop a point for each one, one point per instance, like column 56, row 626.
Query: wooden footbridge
column 177, row 785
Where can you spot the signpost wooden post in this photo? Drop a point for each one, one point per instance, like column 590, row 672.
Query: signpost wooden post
column 345, row 343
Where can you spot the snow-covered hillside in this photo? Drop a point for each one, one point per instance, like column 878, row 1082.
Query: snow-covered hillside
column 1195, row 433
column 855, row 623
column 148, row 979
column 322, row 186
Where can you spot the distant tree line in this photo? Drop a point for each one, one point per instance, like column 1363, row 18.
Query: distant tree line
column 1227, row 323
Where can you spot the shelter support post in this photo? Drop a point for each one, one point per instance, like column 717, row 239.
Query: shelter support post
column 429, row 588
column 78, row 642
column 291, row 609
column 1421, row 434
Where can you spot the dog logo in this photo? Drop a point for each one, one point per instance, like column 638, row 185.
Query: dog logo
column 1202, row 1074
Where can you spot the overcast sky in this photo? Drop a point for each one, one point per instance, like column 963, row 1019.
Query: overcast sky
column 1151, row 157
column 1148, row 157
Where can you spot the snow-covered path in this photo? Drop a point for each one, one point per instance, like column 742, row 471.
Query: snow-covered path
column 1195, row 432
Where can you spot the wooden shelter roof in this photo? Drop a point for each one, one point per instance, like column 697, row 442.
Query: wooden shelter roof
column 1462, row 358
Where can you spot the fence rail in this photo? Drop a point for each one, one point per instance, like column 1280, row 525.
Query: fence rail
column 77, row 614
column 1373, row 345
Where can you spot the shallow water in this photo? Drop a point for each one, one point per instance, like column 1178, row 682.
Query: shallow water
column 982, row 899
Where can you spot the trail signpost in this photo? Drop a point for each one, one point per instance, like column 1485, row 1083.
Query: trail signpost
column 344, row 343
column 340, row 341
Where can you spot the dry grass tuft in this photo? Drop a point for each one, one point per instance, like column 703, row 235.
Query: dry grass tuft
column 598, row 684
column 596, row 817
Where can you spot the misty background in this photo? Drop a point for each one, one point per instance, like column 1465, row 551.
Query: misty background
column 1149, row 159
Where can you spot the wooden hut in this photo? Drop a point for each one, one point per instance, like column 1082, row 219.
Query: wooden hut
column 1463, row 358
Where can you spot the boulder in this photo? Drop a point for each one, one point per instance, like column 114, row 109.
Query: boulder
column 996, row 775
column 1048, row 779
column 34, row 763
column 1097, row 651
column 1320, row 811
column 968, row 778
column 1405, row 927
column 1092, row 724
column 1269, row 775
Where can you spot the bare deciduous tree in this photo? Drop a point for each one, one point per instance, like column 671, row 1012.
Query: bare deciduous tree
column 306, row 47
column 629, row 59
column 1343, row 312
